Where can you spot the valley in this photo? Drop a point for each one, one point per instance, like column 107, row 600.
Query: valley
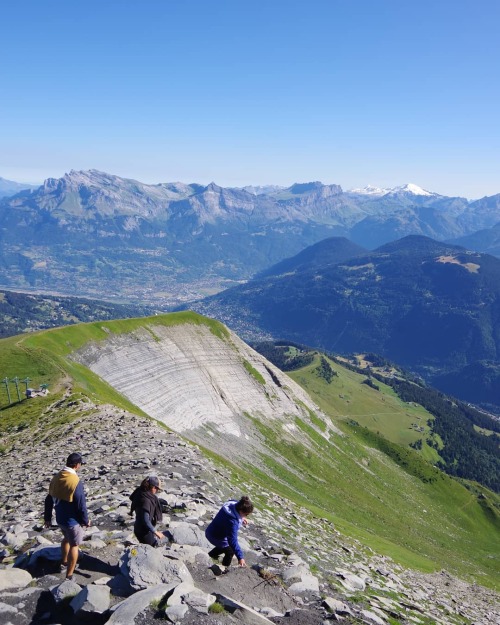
column 166, row 244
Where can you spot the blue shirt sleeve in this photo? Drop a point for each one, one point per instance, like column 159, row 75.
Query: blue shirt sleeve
column 80, row 504
column 147, row 522
column 232, row 539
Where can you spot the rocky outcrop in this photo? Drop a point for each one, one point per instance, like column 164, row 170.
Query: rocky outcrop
column 205, row 386
column 341, row 579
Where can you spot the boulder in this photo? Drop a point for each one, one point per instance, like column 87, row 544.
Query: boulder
column 294, row 574
column 176, row 597
column 336, row 607
column 68, row 588
column 188, row 534
column 351, row 581
column 126, row 612
column 14, row 578
column 15, row 540
column 371, row 617
column 308, row 583
column 90, row 601
column 176, row 613
column 191, row 554
column 47, row 552
column 6, row 609
column 146, row 566
column 198, row 600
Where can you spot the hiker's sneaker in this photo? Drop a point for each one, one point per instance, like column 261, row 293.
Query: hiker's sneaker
column 63, row 566
column 70, row 578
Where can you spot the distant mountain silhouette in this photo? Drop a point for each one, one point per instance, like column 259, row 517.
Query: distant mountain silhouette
column 326, row 252
column 9, row 187
column 427, row 305
column 487, row 240
column 90, row 232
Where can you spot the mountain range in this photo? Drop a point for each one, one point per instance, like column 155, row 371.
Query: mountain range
column 429, row 306
column 90, row 232
column 9, row 187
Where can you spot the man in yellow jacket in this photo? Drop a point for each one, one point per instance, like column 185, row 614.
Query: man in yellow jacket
column 67, row 496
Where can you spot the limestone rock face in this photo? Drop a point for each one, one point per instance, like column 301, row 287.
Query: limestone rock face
column 196, row 382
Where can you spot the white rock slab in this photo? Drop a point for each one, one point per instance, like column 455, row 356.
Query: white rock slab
column 14, row 578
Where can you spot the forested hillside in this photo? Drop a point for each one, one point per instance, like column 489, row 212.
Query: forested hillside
column 466, row 440
column 431, row 307
column 22, row 312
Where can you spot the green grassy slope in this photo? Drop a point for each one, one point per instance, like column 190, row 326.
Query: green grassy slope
column 365, row 482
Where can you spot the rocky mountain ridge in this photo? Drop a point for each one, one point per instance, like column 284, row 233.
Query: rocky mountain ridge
column 10, row 187
column 302, row 571
column 198, row 384
column 90, row 231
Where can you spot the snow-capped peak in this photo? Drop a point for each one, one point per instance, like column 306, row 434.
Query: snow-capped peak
column 369, row 190
column 410, row 189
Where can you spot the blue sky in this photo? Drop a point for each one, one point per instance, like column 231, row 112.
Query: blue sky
column 352, row 92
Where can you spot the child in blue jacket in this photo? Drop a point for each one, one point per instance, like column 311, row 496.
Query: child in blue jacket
column 223, row 530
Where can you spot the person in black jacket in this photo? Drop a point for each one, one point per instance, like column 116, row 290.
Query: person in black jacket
column 147, row 510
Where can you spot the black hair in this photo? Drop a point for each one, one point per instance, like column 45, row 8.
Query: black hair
column 244, row 505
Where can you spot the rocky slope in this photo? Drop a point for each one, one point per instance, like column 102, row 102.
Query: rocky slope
column 301, row 570
column 205, row 386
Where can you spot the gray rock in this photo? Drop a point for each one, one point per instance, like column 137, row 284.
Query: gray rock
column 68, row 588
column 47, row 552
column 15, row 540
column 126, row 612
column 176, row 597
column 270, row 613
column 14, row 578
column 372, row 617
column 198, row 600
column 294, row 574
column 189, row 534
column 5, row 608
column 351, row 581
column 120, row 586
column 95, row 543
column 309, row 583
column 176, row 613
column 242, row 612
column 90, row 601
column 146, row 566
column 335, row 606
column 190, row 553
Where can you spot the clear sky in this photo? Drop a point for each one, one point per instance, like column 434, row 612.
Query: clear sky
column 240, row 92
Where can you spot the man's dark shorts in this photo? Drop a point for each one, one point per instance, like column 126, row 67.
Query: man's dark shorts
column 73, row 534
